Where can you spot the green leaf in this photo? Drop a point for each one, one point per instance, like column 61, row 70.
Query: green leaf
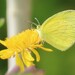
column 1, row 22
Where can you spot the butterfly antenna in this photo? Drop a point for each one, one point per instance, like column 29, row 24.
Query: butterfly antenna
column 32, row 23
column 37, row 21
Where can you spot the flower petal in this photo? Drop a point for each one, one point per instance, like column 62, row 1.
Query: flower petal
column 28, row 63
column 19, row 62
column 3, row 42
column 6, row 53
column 46, row 49
column 27, row 55
column 36, row 53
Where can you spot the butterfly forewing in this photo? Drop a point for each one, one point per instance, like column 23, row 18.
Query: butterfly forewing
column 59, row 30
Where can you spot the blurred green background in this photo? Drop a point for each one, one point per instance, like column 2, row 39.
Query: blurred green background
column 57, row 62
column 3, row 33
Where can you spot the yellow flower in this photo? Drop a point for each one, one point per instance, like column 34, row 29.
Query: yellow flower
column 21, row 46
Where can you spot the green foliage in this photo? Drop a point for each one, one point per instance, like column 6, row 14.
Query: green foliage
column 1, row 22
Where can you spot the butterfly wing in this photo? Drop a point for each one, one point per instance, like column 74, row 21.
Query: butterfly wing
column 59, row 30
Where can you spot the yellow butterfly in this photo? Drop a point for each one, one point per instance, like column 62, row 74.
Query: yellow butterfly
column 59, row 30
